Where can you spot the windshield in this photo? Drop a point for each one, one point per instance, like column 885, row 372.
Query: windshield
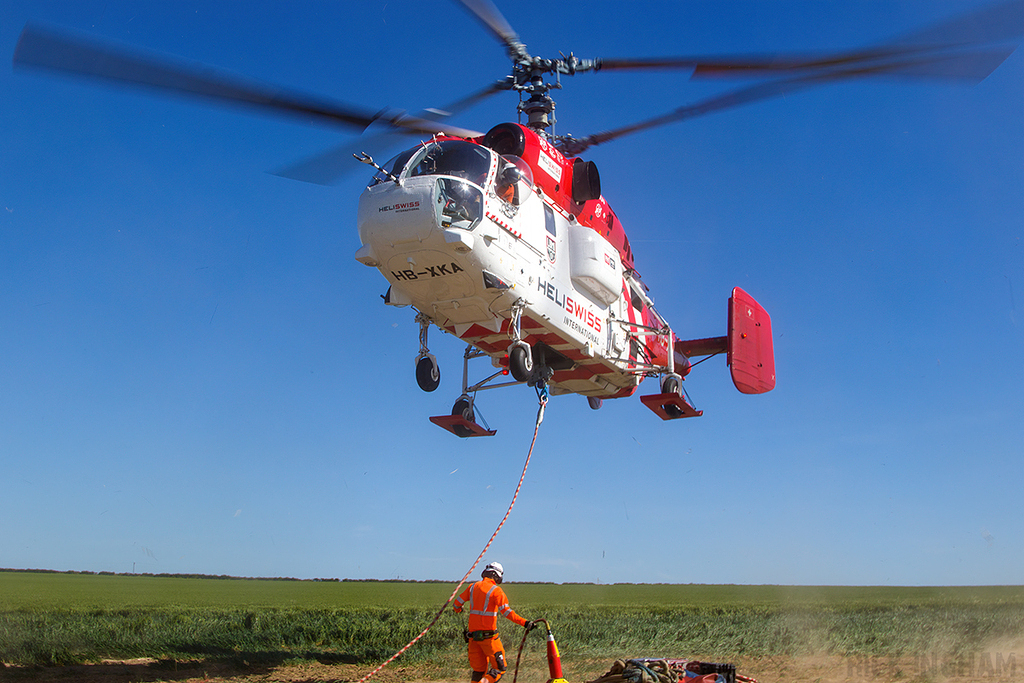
column 392, row 168
column 454, row 158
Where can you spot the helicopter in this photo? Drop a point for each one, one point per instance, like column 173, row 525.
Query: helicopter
column 505, row 240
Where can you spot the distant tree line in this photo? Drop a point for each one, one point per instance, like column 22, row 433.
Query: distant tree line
column 217, row 576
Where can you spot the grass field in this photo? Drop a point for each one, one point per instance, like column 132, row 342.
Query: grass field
column 68, row 618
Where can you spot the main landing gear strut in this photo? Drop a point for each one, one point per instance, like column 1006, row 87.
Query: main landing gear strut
column 520, row 355
column 463, row 420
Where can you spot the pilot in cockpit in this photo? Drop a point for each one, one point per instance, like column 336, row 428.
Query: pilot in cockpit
column 513, row 181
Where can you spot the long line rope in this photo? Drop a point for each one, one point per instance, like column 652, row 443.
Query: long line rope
column 543, row 400
column 522, row 644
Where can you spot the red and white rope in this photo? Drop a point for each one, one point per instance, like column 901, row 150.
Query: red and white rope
column 437, row 617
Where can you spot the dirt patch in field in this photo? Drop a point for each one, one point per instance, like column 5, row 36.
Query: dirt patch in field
column 985, row 667
column 151, row 670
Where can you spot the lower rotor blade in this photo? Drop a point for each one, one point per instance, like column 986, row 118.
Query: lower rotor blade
column 329, row 166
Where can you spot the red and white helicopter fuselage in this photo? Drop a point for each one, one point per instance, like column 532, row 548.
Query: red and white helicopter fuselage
column 508, row 245
column 505, row 240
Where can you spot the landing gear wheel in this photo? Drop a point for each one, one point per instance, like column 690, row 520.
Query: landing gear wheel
column 672, row 385
column 428, row 375
column 520, row 362
column 595, row 403
column 464, row 408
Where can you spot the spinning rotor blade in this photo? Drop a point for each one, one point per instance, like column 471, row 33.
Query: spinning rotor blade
column 471, row 100
column 950, row 50
column 751, row 66
column 972, row 66
column 492, row 18
column 992, row 24
column 1000, row 22
column 327, row 167
column 48, row 49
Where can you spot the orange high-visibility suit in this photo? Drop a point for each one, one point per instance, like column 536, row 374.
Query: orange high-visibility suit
column 486, row 653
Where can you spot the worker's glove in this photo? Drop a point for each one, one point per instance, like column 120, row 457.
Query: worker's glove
column 457, row 610
column 530, row 625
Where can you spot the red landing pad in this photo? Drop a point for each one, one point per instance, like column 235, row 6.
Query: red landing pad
column 452, row 422
column 662, row 403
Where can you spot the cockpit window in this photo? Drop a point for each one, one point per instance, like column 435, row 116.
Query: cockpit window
column 515, row 180
column 453, row 158
column 393, row 167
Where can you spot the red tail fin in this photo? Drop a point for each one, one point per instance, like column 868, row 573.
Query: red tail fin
column 751, row 355
column 748, row 346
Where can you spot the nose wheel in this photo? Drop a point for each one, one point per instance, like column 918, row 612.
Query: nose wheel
column 428, row 374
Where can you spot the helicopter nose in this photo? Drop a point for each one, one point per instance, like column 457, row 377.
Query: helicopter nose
column 393, row 214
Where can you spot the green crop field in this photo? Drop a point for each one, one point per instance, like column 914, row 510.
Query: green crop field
column 50, row 618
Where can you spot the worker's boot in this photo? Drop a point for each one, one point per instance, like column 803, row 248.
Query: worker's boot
column 494, row 674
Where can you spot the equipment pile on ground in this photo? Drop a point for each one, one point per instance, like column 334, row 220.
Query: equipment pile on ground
column 652, row 670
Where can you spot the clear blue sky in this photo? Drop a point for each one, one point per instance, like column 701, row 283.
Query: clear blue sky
column 196, row 376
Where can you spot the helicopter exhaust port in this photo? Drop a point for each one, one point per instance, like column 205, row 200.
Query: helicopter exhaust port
column 586, row 181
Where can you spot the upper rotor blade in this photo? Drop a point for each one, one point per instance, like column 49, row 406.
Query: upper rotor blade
column 492, row 18
column 992, row 24
column 999, row 22
column 754, row 65
column 973, row 66
column 49, row 49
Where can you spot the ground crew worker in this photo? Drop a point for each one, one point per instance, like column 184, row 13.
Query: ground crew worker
column 486, row 601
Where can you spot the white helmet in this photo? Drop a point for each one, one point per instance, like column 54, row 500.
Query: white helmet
column 495, row 568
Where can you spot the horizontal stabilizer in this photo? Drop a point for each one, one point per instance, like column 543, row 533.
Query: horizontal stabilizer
column 702, row 347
